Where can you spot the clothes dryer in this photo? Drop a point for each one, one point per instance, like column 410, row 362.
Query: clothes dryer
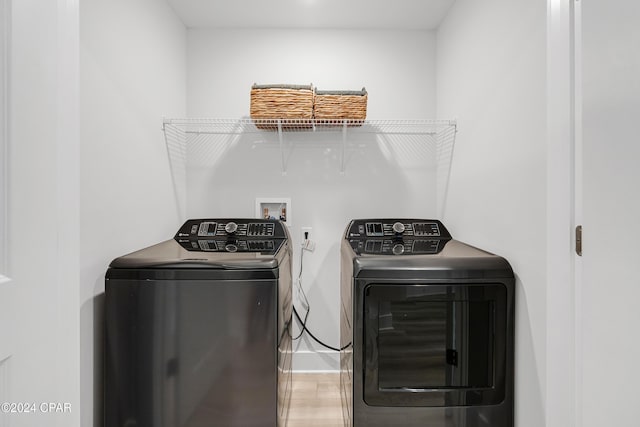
column 431, row 326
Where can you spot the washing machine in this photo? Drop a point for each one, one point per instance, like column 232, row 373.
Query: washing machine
column 427, row 328
column 198, row 328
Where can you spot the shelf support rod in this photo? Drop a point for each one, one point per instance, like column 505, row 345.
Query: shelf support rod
column 344, row 145
column 281, row 140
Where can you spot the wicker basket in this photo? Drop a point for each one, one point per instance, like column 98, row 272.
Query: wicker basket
column 288, row 102
column 340, row 105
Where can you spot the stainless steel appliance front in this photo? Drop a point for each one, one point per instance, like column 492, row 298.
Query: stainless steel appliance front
column 200, row 334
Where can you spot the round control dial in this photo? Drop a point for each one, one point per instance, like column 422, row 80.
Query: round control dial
column 398, row 227
column 231, row 227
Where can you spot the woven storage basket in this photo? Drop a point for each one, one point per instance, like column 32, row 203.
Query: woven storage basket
column 272, row 102
column 340, row 105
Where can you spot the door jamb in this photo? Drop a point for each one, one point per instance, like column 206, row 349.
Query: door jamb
column 563, row 355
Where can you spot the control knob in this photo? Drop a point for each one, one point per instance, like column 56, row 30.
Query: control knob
column 398, row 228
column 231, row 227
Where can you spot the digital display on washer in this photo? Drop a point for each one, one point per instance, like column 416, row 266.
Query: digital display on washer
column 207, row 229
column 374, row 229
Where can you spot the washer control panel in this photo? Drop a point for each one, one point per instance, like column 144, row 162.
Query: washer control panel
column 232, row 235
column 366, row 228
column 396, row 236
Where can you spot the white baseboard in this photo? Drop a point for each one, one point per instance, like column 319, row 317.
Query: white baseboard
column 316, row 361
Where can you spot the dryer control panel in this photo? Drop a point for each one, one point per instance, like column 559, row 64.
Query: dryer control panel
column 232, row 235
column 367, row 228
column 397, row 236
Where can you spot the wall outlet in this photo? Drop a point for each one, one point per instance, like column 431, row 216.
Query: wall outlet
column 307, row 242
column 303, row 231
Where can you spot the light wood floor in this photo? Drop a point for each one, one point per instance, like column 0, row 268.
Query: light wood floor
column 315, row 400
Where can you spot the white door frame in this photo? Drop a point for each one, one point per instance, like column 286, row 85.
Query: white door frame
column 6, row 291
column 65, row 277
column 5, row 28
column 563, row 372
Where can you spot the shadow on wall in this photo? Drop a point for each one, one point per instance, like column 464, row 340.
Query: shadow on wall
column 98, row 360
column 92, row 360
column 525, row 356
column 382, row 174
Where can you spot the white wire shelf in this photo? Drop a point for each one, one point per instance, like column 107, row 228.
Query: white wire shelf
column 245, row 125
column 197, row 138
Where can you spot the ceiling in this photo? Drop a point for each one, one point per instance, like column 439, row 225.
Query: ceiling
column 351, row 14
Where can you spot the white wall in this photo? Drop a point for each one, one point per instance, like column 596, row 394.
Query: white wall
column 396, row 67
column 382, row 178
column 491, row 77
column 610, row 287
column 132, row 73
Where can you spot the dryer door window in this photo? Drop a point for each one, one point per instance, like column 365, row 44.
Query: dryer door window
column 434, row 345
